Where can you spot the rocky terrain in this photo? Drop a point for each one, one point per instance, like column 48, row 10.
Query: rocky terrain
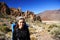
column 37, row 29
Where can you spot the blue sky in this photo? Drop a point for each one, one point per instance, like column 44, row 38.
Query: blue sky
column 36, row 6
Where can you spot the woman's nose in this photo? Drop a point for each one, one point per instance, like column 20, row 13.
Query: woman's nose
column 22, row 23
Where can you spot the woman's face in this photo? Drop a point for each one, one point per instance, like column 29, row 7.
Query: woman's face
column 21, row 23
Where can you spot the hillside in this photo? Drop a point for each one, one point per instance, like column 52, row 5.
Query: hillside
column 50, row 15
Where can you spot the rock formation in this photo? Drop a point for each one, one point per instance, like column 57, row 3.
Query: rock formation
column 4, row 9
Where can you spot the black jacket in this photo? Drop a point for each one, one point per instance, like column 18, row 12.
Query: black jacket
column 21, row 34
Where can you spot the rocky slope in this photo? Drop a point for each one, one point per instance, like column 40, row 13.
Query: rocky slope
column 36, row 28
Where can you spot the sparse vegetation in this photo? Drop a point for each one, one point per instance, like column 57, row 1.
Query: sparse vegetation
column 54, row 30
column 4, row 29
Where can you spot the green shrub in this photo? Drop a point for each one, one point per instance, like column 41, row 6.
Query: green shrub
column 4, row 29
column 53, row 25
column 4, row 24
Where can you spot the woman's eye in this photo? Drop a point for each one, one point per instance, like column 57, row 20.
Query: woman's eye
column 21, row 22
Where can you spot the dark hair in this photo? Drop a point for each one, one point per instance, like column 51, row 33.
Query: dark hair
column 17, row 23
column 11, row 22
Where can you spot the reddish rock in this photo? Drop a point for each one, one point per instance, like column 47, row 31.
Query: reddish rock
column 4, row 9
column 50, row 15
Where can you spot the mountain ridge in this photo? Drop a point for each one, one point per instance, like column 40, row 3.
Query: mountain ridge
column 50, row 15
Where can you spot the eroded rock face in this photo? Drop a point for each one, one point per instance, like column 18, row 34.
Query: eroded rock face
column 4, row 9
column 32, row 16
column 16, row 12
column 39, row 18
column 27, row 14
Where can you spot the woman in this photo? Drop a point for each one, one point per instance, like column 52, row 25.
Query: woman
column 21, row 32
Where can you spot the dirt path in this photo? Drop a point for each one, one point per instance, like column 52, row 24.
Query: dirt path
column 45, row 36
